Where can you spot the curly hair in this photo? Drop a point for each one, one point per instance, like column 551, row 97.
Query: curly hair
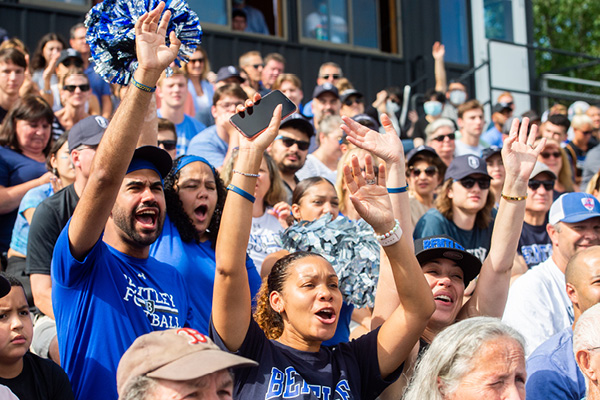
column 443, row 203
column 182, row 221
column 268, row 319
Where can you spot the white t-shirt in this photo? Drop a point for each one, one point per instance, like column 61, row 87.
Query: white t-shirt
column 265, row 230
column 314, row 167
column 538, row 306
column 7, row 394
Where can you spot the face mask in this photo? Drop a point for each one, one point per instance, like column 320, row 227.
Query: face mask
column 433, row 108
column 392, row 106
column 457, row 97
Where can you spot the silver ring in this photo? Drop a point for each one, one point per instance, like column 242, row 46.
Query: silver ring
column 530, row 145
column 371, row 181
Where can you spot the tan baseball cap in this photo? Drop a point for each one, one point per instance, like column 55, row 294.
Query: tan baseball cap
column 177, row 354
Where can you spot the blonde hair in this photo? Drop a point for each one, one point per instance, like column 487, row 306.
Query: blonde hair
column 206, row 66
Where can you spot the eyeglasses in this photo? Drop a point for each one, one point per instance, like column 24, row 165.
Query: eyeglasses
column 441, row 138
column 168, row 144
column 429, row 171
column 468, row 183
column 196, row 60
column 357, row 100
column 289, row 142
column 228, row 106
column 535, row 184
column 71, row 88
column 329, row 76
column 587, row 132
column 555, row 154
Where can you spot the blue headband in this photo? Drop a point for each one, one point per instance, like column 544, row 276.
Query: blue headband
column 139, row 163
column 185, row 160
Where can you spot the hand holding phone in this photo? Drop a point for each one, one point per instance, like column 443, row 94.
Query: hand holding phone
column 254, row 120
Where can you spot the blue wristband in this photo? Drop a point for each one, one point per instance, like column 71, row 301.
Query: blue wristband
column 142, row 87
column 398, row 190
column 241, row 192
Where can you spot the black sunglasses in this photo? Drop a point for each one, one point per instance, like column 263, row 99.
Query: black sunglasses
column 535, row 184
column 334, row 76
column 429, row 171
column 441, row 138
column 555, row 154
column 357, row 100
column 468, row 183
column 289, row 142
column 71, row 88
column 168, row 144
column 196, row 60
column 72, row 63
column 257, row 66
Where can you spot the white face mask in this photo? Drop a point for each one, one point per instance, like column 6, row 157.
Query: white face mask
column 433, row 108
column 457, row 97
column 392, row 106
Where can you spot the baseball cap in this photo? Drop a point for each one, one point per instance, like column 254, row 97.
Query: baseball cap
column 466, row 165
column 297, row 121
column 87, row 132
column 499, row 107
column 151, row 157
column 443, row 246
column 366, row 120
column 229, row 71
column 539, row 168
column 326, row 88
column 574, row 207
column 350, row 92
column 490, row 151
column 419, row 150
column 177, row 354
column 69, row 53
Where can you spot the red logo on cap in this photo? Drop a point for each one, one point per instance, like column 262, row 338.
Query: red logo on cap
column 588, row 203
column 195, row 336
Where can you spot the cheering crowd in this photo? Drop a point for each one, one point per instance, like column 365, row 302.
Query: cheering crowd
column 154, row 252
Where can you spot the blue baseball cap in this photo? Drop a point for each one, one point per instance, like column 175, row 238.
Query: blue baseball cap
column 574, row 207
column 443, row 246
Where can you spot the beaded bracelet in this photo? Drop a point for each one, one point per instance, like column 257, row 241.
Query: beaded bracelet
column 241, row 192
column 391, row 237
column 516, row 198
column 398, row 189
column 246, row 174
column 142, row 87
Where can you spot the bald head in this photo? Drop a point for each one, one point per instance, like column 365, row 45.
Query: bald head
column 580, row 263
column 582, row 276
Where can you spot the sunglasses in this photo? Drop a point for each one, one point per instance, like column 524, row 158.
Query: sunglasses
column 441, row 138
column 72, row 63
column 534, row 185
column 71, row 88
column 257, row 66
column 587, row 132
column 357, row 100
column 328, row 76
column 196, row 60
column 555, row 154
column 429, row 171
column 289, row 142
column 468, row 183
column 168, row 144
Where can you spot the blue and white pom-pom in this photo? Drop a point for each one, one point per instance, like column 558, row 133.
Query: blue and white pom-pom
column 111, row 35
column 348, row 245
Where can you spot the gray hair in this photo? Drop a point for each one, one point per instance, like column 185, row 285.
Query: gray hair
column 450, row 356
column 328, row 125
column 437, row 124
column 586, row 334
column 139, row 388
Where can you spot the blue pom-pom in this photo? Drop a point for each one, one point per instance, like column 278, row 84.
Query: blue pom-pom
column 111, row 35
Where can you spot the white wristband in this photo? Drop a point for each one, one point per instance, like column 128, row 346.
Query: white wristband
column 390, row 237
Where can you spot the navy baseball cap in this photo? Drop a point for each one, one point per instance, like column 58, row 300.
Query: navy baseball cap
column 490, row 151
column 227, row 72
column 418, row 150
column 574, row 207
column 350, row 92
column 87, row 132
column 463, row 166
column 69, row 53
column 151, row 157
column 326, row 88
column 443, row 246
column 298, row 122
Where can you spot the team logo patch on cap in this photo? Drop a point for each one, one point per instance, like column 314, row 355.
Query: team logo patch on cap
column 102, row 122
column 473, row 162
column 588, row 203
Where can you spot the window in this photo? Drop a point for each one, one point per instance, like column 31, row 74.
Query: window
column 259, row 16
column 453, row 24
column 498, row 19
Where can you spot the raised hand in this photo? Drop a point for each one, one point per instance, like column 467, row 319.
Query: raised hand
column 262, row 141
column 150, row 31
column 519, row 153
column 438, row 51
column 386, row 146
column 369, row 195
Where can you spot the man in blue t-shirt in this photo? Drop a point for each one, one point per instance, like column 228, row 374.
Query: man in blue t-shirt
column 106, row 291
column 552, row 372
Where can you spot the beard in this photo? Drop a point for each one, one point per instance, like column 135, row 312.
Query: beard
column 126, row 222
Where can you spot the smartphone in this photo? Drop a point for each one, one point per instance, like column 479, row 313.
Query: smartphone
column 256, row 119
